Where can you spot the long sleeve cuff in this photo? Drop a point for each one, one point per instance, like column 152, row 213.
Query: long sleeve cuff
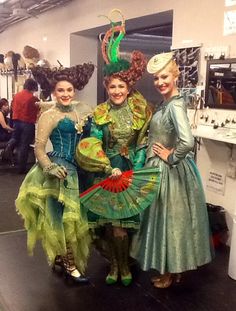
column 173, row 159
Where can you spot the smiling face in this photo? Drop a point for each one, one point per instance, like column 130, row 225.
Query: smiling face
column 117, row 91
column 64, row 92
column 165, row 82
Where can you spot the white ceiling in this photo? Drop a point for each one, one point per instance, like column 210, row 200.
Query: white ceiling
column 15, row 11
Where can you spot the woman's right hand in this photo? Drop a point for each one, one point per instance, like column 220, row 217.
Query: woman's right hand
column 115, row 173
column 58, row 171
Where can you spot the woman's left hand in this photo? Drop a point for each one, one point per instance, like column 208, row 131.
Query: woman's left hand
column 161, row 151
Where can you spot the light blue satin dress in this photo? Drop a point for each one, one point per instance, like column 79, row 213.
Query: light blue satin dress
column 174, row 235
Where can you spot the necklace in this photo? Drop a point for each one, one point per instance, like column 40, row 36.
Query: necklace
column 64, row 108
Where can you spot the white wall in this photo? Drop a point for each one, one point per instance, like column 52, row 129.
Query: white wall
column 196, row 21
column 79, row 54
column 199, row 21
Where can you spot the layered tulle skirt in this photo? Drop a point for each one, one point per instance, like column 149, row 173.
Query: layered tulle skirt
column 52, row 213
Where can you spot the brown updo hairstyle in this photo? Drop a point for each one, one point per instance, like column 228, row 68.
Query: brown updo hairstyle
column 133, row 74
column 78, row 76
column 62, row 75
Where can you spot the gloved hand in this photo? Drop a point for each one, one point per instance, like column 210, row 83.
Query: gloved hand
column 56, row 170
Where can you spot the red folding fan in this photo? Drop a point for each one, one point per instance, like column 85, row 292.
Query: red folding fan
column 123, row 197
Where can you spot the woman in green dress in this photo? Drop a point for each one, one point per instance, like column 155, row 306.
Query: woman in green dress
column 120, row 125
column 48, row 198
column 174, row 235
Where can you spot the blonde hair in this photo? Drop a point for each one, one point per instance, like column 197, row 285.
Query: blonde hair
column 174, row 68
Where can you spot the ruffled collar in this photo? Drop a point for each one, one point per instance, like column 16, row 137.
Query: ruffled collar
column 137, row 104
column 117, row 107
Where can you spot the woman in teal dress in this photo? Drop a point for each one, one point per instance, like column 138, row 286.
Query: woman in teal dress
column 48, row 198
column 174, row 234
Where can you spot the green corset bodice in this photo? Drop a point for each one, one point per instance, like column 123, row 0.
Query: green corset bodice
column 120, row 129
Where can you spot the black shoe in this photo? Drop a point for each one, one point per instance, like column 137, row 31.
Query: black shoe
column 82, row 279
column 77, row 279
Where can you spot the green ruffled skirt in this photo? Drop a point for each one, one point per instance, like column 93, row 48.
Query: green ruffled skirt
column 51, row 211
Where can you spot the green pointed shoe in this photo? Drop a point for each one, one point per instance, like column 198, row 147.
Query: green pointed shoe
column 126, row 280
column 111, row 279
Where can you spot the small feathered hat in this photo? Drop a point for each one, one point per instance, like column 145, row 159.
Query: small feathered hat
column 159, row 62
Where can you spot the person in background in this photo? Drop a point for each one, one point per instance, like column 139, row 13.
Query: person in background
column 24, row 115
column 5, row 129
column 174, row 235
column 48, row 199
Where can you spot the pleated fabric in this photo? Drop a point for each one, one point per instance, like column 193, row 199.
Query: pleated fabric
column 174, row 235
column 52, row 213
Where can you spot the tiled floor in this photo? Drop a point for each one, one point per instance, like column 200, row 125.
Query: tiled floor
column 28, row 284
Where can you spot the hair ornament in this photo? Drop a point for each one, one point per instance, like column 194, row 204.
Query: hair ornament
column 159, row 62
column 129, row 71
column 111, row 42
column 111, row 45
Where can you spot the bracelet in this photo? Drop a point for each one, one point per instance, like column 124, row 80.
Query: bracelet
column 49, row 167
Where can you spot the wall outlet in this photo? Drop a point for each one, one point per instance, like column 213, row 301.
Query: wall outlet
column 217, row 51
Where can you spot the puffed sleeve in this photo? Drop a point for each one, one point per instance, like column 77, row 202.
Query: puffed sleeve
column 140, row 157
column 185, row 143
column 96, row 131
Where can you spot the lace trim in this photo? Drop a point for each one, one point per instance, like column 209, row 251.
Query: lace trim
column 63, row 108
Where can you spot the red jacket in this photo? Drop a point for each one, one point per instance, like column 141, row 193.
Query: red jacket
column 24, row 108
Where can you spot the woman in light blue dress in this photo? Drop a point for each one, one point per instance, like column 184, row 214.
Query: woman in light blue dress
column 174, row 234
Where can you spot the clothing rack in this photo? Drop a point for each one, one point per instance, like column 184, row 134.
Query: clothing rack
column 10, row 72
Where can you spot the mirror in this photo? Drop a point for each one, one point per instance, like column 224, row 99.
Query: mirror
column 221, row 84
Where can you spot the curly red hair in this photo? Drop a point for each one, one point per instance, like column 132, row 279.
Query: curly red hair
column 133, row 74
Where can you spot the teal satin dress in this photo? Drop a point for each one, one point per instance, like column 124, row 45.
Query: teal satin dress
column 174, row 234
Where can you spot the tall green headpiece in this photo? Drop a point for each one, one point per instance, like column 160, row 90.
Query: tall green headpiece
column 111, row 44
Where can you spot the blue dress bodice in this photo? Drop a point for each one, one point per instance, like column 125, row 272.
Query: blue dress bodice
column 64, row 139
